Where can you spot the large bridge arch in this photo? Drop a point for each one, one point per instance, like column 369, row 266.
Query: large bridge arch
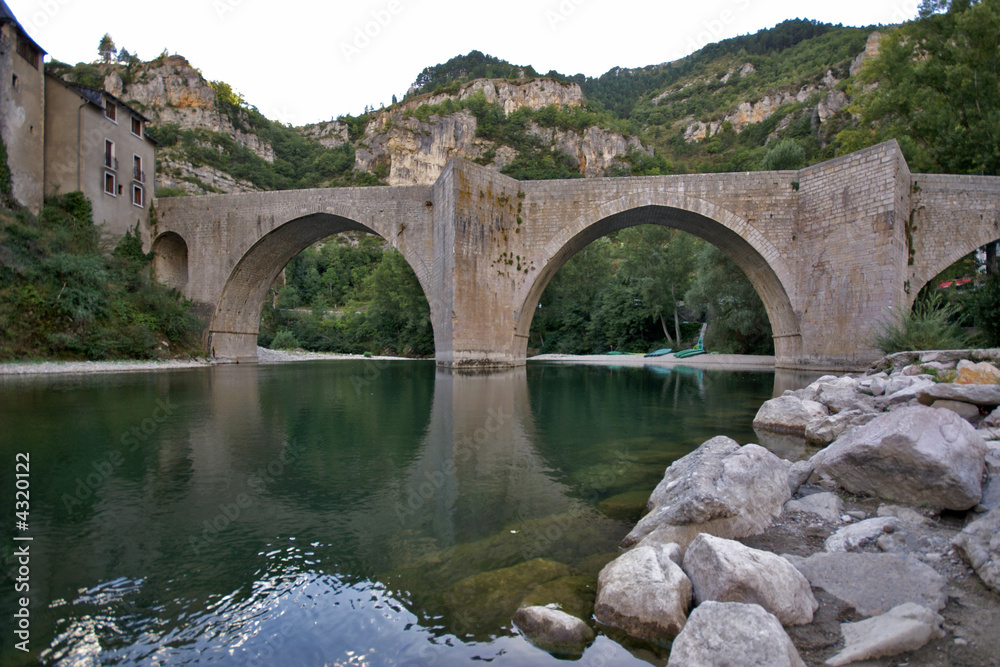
column 233, row 330
column 733, row 235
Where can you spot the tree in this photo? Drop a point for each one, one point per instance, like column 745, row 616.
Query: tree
column 106, row 49
column 786, row 154
column 938, row 90
column 562, row 319
column 737, row 320
column 661, row 263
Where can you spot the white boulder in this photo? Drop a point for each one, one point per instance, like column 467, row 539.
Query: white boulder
column 916, row 455
column 644, row 593
column 728, row 571
column 720, row 488
column 732, row 633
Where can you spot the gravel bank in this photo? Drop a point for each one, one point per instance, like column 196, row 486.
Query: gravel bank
column 264, row 356
column 727, row 361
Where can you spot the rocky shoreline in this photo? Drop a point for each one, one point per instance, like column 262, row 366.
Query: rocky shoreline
column 874, row 536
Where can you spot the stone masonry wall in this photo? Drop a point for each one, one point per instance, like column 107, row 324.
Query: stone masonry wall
column 952, row 215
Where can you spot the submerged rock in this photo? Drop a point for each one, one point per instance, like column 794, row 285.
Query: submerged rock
column 917, row 455
column 628, row 506
column 553, row 630
column 574, row 594
column 728, row 571
column 491, row 598
column 720, row 488
column 732, row 633
column 644, row 593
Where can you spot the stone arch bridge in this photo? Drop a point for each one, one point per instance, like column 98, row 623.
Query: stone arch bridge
column 829, row 248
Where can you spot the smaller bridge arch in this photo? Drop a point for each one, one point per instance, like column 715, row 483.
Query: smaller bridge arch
column 722, row 228
column 170, row 260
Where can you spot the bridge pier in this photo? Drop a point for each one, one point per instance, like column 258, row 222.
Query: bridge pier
column 478, row 215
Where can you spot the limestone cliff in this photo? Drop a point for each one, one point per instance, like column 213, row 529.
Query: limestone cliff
column 536, row 94
column 330, row 134
column 413, row 152
column 170, row 90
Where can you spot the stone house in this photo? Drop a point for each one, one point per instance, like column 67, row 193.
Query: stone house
column 96, row 143
column 62, row 137
column 22, row 109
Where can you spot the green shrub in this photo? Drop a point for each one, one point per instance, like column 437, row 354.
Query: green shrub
column 930, row 325
column 63, row 296
column 5, row 182
column 786, row 154
column 285, row 340
column 984, row 307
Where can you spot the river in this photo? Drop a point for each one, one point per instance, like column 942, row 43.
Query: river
column 340, row 512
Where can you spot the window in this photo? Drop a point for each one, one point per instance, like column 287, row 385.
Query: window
column 137, row 196
column 26, row 50
column 13, row 82
column 111, row 111
column 110, row 161
column 136, row 126
column 137, row 174
column 109, row 184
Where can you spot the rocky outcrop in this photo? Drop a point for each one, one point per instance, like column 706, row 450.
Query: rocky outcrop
column 330, row 134
column 170, row 90
column 720, row 488
column 916, row 455
column 747, row 113
column 553, row 630
column 904, row 628
column 535, row 94
column 727, row 571
column 595, row 149
column 644, row 593
column 731, row 633
column 871, row 50
column 175, row 172
column 415, row 152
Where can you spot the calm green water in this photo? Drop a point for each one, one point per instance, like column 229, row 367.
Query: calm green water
column 335, row 512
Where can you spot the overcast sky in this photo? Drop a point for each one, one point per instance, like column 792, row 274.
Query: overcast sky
column 302, row 62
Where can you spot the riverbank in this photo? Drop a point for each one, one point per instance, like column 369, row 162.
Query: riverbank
column 264, row 356
column 721, row 361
